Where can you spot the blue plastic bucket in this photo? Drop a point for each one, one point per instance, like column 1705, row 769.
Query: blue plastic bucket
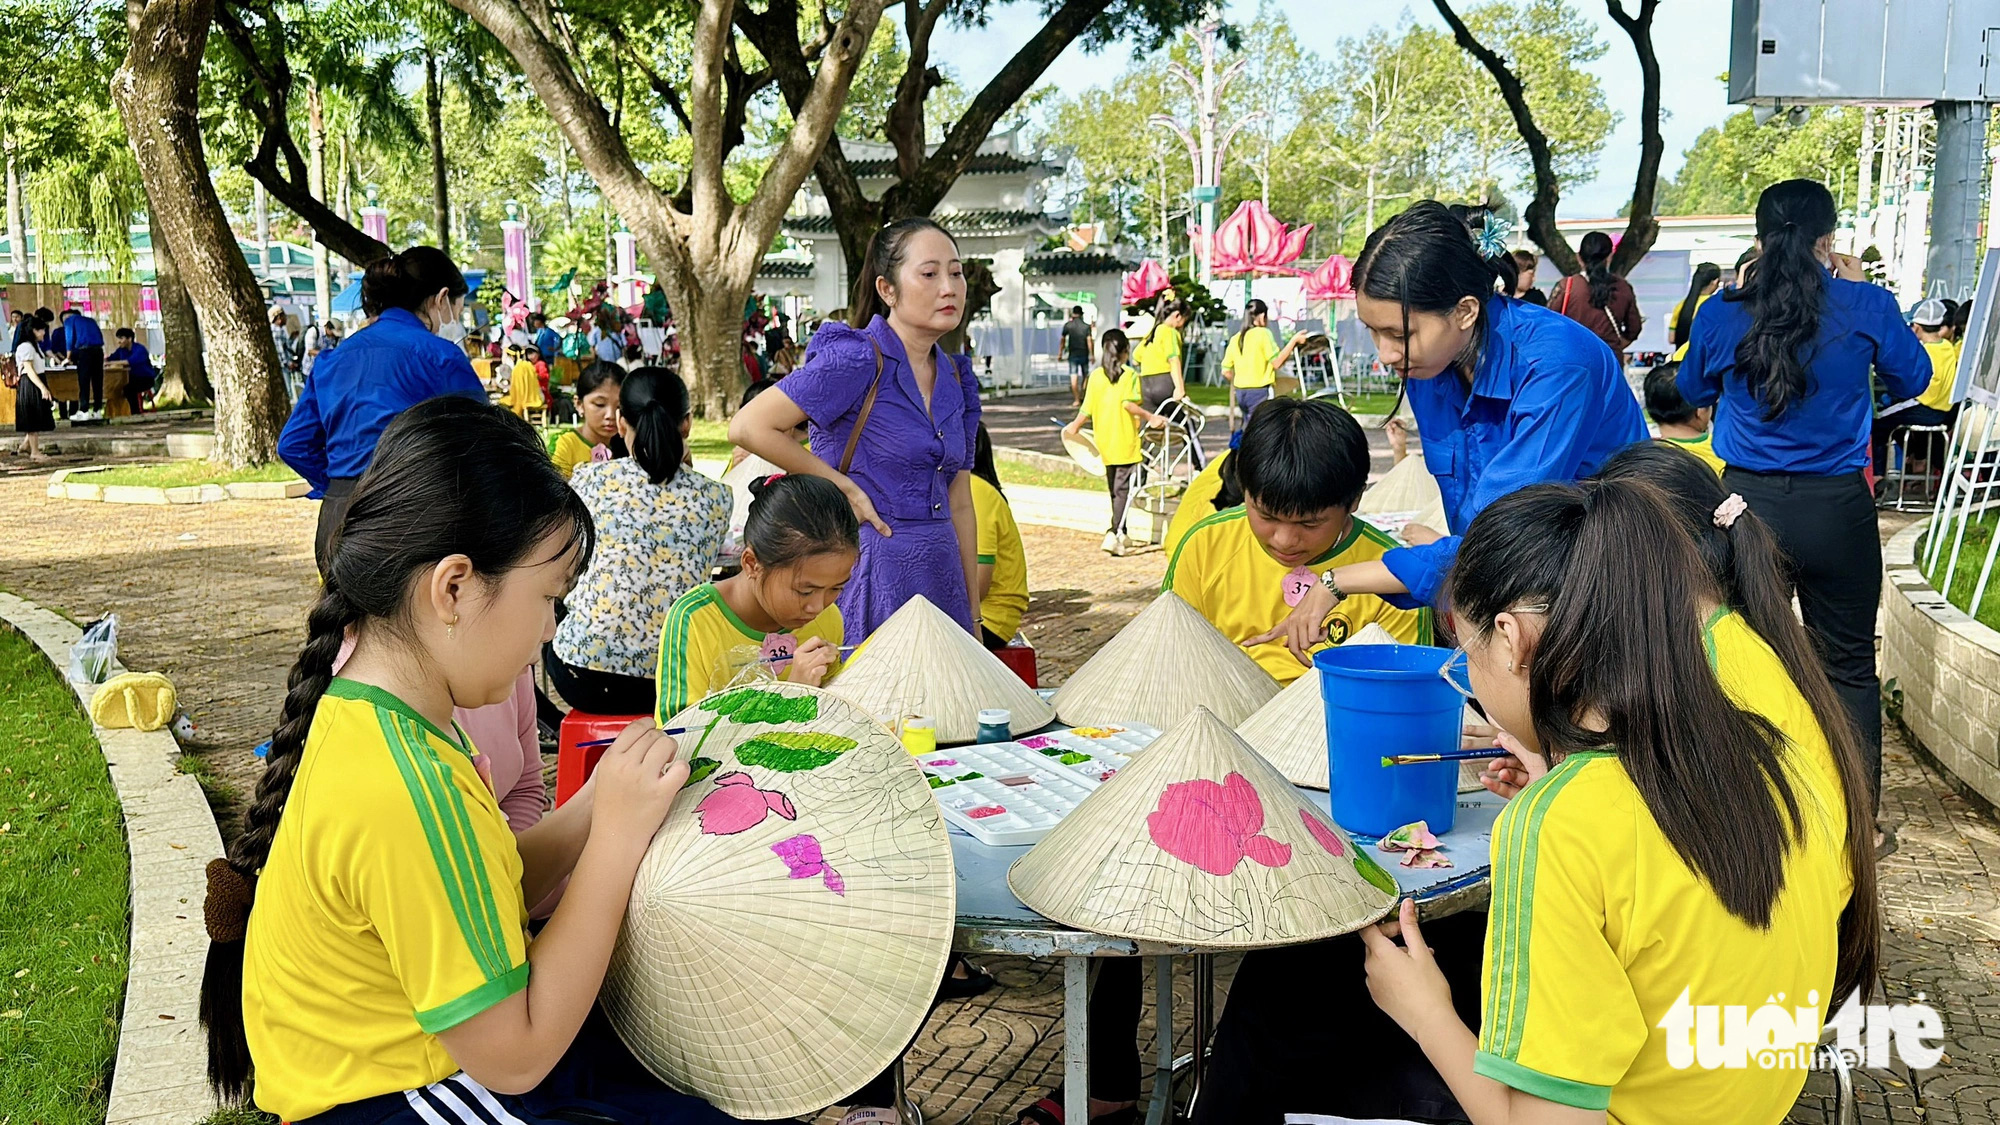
column 1383, row 700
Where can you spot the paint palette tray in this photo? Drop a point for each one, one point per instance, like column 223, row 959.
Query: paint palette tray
column 1011, row 793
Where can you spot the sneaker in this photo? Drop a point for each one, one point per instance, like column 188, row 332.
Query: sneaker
column 1111, row 544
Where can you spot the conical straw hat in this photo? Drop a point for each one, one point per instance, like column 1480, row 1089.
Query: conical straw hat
column 1290, row 731
column 1162, row 665
column 921, row 662
column 790, row 923
column 1200, row 842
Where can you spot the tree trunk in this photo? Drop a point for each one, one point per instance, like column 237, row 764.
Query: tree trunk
column 316, row 183
column 710, row 323
column 17, row 227
column 155, row 89
column 1641, row 228
column 183, row 374
column 440, row 191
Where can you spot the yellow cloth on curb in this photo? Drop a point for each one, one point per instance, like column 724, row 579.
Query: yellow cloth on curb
column 140, row 700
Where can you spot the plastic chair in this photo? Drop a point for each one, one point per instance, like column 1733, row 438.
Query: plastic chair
column 1931, row 440
column 1019, row 657
column 574, row 761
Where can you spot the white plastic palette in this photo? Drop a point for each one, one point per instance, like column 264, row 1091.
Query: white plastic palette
column 1009, row 793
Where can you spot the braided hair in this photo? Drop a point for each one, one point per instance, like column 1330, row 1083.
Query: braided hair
column 450, row 476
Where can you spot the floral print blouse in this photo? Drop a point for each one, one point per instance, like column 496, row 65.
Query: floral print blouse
column 655, row 542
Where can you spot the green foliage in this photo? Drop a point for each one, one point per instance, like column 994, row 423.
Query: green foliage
column 755, row 705
column 1971, row 557
column 1729, row 165
column 1388, row 118
column 180, row 474
column 793, row 752
column 63, row 878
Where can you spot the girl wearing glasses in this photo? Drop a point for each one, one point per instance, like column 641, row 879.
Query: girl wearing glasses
column 1673, row 854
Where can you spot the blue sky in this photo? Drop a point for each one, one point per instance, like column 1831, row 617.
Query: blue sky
column 1691, row 36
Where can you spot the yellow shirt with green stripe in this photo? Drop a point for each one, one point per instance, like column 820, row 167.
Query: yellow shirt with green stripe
column 1114, row 428
column 1599, row 933
column 1702, row 447
column 1197, row 503
column 388, row 911
column 1944, row 372
column 703, row 645
column 1000, row 548
column 1247, row 359
column 1223, row 571
column 571, row 450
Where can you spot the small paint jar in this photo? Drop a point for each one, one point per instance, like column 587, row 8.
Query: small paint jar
column 919, row 734
column 996, row 725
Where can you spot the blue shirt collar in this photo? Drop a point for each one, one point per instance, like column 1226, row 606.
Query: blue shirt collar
column 402, row 318
column 1494, row 377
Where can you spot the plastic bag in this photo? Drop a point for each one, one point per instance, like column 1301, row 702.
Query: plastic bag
column 94, row 656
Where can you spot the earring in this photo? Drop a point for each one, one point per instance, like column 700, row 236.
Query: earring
column 451, row 626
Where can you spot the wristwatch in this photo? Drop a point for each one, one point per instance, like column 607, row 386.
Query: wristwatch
column 1327, row 580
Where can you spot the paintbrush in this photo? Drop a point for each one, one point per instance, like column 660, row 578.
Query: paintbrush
column 1454, row 756
column 609, row 741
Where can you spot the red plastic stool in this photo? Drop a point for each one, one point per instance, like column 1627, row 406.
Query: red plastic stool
column 574, row 762
column 1019, row 656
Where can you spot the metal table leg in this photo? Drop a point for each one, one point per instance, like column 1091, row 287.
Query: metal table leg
column 1161, row 1107
column 1204, row 1019
column 1076, row 1039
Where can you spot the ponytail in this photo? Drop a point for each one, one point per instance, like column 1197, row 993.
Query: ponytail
column 1595, row 252
column 1705, row 275
column 1167, row 308
column 983, row 465
column 795, row 516
column 655, row 402
column 1252, row 309
column 221, row 1008
column 450, row 476
column 1746, row 562
column 1115, row 351
column 886, row 251
column 408, row 279
column 1623, row 641
column 1786, row 292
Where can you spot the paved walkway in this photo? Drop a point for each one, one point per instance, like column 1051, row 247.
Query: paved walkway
column 215, row 596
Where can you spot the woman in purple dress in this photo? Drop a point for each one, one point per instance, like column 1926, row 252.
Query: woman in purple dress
column 893, row 424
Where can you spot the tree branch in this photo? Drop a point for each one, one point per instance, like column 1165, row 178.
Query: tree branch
column 1641, row 227
column 656, row 81
column 1541, row 211
column 904, row 125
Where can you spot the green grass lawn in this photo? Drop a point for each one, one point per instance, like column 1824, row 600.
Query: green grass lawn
column 63, row 878
column 178, row 474
column 1972, row 556
column 1013, row 472
column 709, row 439
column 1204, row 395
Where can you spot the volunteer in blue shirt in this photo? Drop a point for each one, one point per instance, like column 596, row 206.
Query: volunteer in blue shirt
column 140, row 374
column 1506, row 394
column 410, row 353
column 547, row 340
column 1785, row 362
column 83, row 340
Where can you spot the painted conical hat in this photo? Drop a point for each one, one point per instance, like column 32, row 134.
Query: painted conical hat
column 922, row 662
column 1162, row 665
column 1407, row 487
column 1290, row 731
column 790, row 922
column 1200, row 842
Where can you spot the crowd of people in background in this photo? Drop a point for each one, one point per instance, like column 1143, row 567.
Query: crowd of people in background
column 43, row 342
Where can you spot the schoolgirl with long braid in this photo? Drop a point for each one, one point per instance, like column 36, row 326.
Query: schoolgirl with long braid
column 368, row 958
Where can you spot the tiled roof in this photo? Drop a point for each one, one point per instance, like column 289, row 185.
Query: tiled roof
column 1066, row 262
column 985, row 163
column 784, row 268
column 957, row 222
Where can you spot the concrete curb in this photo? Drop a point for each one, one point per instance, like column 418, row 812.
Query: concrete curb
column 64, row 486
column 1946, row 666
column 160, row 1077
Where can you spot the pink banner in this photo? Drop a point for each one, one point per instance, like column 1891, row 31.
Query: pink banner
column 514, row 239
column 375, row 223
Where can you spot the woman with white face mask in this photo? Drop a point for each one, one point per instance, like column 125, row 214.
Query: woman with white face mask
column 409, row 352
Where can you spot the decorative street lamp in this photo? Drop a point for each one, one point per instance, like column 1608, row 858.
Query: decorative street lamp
column 1205, row 152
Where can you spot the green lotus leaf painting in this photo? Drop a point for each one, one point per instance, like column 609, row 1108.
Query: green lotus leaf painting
column 789, row 752
column 752, row 705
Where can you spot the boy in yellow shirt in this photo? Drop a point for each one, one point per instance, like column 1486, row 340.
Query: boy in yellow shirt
column 1931, row 408
column 1003, row 562
column 1682, row 426
column 1302, row 465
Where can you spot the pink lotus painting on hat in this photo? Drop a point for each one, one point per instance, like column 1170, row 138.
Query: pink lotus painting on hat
column 1215, row 826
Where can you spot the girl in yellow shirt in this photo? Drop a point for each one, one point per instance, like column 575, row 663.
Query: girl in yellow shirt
column 800, row 541
column 1251, row 361
column 595, row 436
column 1674, row 853
column 1112, row 406
column 368, row 946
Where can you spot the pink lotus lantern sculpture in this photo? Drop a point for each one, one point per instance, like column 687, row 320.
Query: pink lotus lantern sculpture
column 1332, row 281
column 1253, row 241
column 1149, row 280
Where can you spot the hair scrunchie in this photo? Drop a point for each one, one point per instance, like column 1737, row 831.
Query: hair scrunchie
column 1726, row 512
column 226, row 911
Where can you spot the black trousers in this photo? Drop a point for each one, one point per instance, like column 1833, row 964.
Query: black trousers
column 1118, row 479
column 1929, row 448
column 89, row 377
column 1299, row 1016
column 1833, row 551
column 599, row 693
column 332, row 510
column 1154, row 391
